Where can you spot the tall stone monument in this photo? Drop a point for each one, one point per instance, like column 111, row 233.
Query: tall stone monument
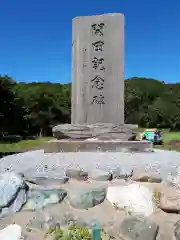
column 97, row 120
column 98, row 69
column 97, row 100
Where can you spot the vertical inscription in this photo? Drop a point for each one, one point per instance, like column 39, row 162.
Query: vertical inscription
column 84, row 58
column 97, row 29
column 98, row 63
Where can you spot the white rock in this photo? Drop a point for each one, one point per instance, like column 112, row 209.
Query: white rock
column 11, row 232
column 134, row 198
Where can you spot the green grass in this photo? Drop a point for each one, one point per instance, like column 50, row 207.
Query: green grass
column 167, row 137
column 23, row 145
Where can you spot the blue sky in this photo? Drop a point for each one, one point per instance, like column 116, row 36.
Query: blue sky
column 35, row 37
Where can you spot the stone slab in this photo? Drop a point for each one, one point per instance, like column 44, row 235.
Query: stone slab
column 101, row 131
column 98, row 69
column 97, row 146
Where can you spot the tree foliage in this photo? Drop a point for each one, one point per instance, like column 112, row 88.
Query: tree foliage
column 34, row 108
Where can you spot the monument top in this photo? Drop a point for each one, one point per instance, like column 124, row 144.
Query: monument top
column 98, row 69
column 100, row 15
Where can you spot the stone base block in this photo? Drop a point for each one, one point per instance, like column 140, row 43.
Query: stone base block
column 67, row 145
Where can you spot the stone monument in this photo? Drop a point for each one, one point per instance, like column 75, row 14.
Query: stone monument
column 97, row 86
column 98, row 69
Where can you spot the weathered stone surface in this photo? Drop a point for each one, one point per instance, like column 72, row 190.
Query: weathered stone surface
column 100, row 175
column 170, row 200
column 13, row 192
column 38, row 199
column 177, row 231
column 104, row 131
column 87, row 197
column 77, row 174
column 174, row 180
column 135, row 229
column 142, row 176
column 133, row 198
column 72, row 131
column 47, row 181
column 122, row 173
column 68, row 145
column 16, row 205
column 45, row 176
column 10, row 184
column 87, row 43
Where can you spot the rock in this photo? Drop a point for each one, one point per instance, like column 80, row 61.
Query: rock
column 134, row 198
column 104, row 131
column 16, row 206
column 177, row 231
column 38, row 199
column 47, row 181
column 11, row 232
column 142, row 176
column 133, row 228
column 122, row 173
column 10, row 184
column 87, row 197
column 45, row 176
column 174, row 180
column 100, row 175
column 72, row 131
column 77, row 174
column 170, row 200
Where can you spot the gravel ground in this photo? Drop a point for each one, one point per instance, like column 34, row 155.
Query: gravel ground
column 160, row 161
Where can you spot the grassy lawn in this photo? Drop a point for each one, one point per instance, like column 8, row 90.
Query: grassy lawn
column 167, row 137
column 26, row 145
column 23, row 145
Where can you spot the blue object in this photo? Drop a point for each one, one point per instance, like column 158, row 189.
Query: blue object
column 96, row 231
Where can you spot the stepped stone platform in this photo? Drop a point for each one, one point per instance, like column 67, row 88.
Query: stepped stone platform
column 102, row 137
column 93, row 145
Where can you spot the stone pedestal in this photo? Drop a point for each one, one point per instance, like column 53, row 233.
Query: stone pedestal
column 103, row 131
column 67, row 145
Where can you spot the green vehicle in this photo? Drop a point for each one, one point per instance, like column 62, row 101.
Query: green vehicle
column 152, row 135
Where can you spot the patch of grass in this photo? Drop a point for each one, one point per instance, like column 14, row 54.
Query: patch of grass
column 23, row 145
column 75, row 233
column 167, row 137
column 71, row 233
column 156, row 197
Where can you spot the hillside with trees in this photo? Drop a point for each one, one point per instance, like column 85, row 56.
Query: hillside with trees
column 33, row 108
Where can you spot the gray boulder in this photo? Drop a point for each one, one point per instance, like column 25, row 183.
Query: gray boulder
column 17, row 205
column 38, row 199
column 143, row 176
column 76, row 174
column 87, row 197
column 133, row 228
column 100, row 175
column 45, row 176
column 10, row 185
column 72, row 131
column 122, row 173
